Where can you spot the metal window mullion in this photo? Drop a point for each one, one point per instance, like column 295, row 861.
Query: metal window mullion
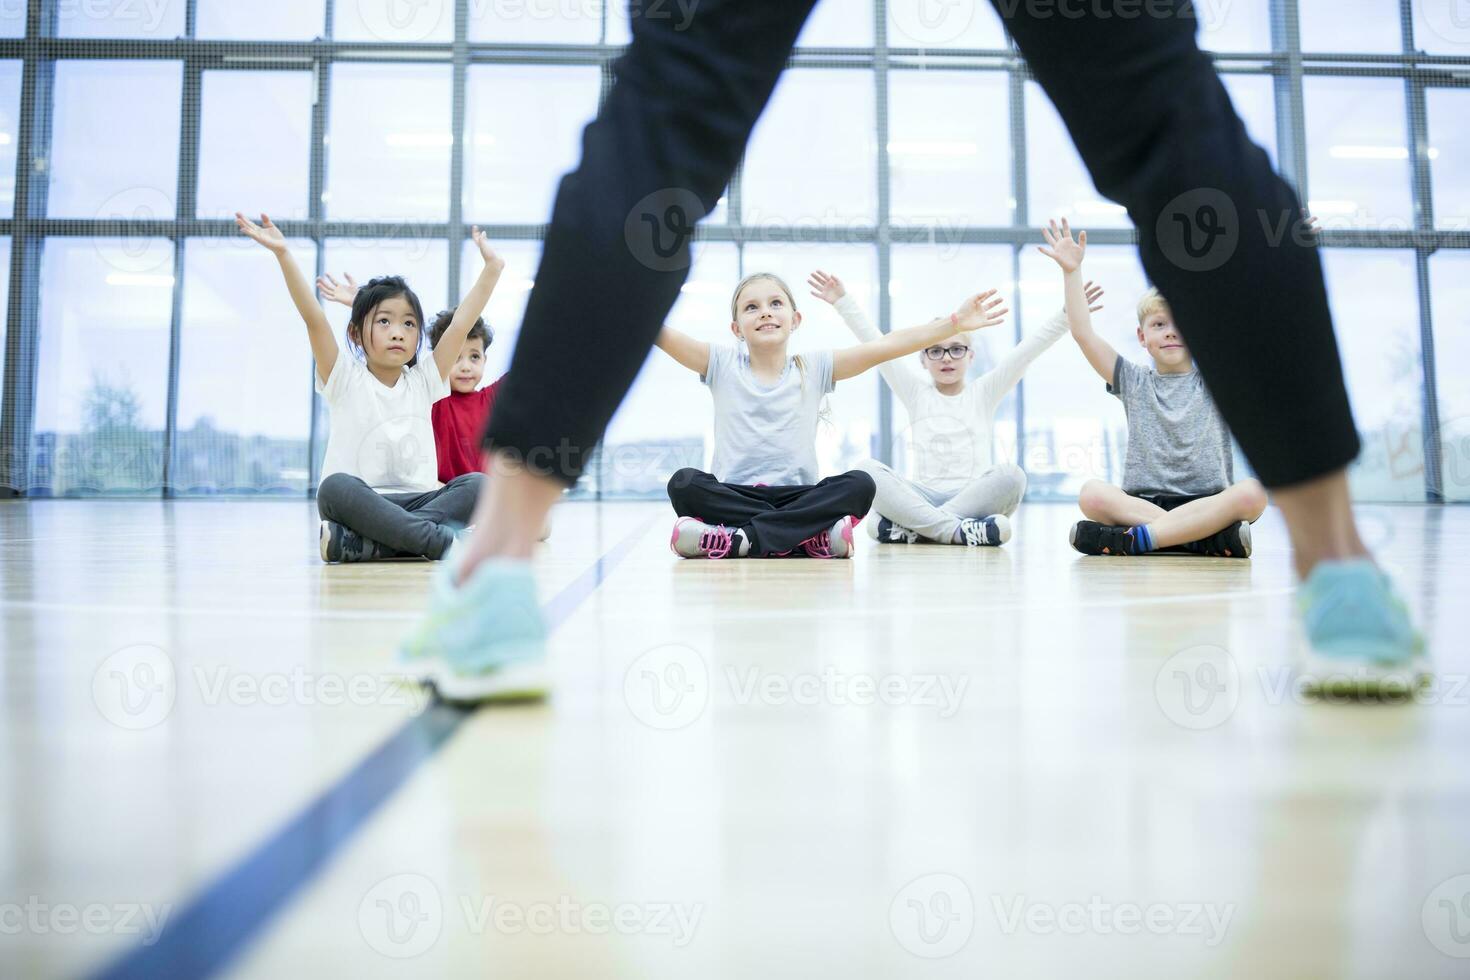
column 316, row 217
column 458, row 128
column 1423, row 198
column 185, row 206
column 884, row 225
column 1291, row 124
column 1021, row 218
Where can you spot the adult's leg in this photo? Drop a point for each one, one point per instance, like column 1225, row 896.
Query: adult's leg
column 656, row 159
column 384, row 518
column 1220, row 235
column 909, row 504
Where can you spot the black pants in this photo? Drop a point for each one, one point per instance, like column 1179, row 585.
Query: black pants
column 775, row 519
column 1219, row 230
column 405, row 524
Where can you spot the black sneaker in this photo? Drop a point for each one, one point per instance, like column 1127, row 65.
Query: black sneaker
column 1233, row 542
column 887, row 532
column 341, row 544
column 1092, row 538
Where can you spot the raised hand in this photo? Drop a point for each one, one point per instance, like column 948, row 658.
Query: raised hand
column 266, row 233
column 979, row 312
column 336, row 292
column 1064, row 251
column 827, row 288
column 1312, row 225
column 482, row 242
column 1094, row 293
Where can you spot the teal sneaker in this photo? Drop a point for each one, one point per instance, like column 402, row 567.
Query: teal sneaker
column 1357, row 637
column 483, row 641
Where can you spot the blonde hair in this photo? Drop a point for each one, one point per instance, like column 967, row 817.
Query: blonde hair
column 1150, row 303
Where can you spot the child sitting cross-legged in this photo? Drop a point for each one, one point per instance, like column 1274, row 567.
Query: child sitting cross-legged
column 1178, row 492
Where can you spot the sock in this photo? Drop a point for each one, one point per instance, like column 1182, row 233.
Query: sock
column 1143, row 540
column 958, row 537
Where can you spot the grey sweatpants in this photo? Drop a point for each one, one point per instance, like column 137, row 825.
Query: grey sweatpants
column 935, row 515
column 407, row 524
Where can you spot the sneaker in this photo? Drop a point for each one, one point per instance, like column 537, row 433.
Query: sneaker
column 1233, row 542
column 693, row 538
column 1092, row 538
column 482, row 641
column 834, row 543
column 341, row 544
column 985, row 531
column 1356, row 637
column 885, row 531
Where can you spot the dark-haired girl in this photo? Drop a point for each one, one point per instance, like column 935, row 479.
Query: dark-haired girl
column 380, row 496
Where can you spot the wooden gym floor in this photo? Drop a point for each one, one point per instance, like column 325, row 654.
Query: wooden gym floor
column 926, row 762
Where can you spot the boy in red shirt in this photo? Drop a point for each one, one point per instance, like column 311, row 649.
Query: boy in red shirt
column 459, row 420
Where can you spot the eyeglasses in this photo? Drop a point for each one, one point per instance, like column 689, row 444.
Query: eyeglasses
column 955, row 353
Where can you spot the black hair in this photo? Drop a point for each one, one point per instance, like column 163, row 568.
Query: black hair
column 441, row 323
column 373, row 295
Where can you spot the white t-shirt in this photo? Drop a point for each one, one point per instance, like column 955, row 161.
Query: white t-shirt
column 951, row 438
column 766, row 433
column 383, row 435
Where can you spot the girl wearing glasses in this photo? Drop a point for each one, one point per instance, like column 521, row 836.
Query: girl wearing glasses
column 763, row 498
column 956, row 492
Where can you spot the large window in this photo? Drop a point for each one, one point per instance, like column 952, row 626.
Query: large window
column 907, row 149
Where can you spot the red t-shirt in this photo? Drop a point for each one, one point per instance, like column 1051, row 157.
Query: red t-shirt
column 459, row 425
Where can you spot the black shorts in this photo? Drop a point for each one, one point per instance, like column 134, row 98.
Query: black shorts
column 1171, row 501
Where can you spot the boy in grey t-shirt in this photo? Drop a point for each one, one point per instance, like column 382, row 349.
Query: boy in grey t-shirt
column 1178, row 490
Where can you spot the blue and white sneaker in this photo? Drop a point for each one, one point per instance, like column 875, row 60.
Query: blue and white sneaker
column 884, row 531
column 1357, row 637
column 985, row 532
column 483, row 641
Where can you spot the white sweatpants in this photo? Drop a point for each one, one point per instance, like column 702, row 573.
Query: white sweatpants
column 935, row 515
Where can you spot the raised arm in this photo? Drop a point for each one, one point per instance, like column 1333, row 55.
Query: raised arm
column 471, row 307
column 324, row 348
column 693, row 354
column 976, row 313
column 1067, row 253
column 905, row 379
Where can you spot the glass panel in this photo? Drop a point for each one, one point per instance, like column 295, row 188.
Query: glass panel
column 263, row 20
column 120, row 18
column 1360, row 25
column 100, row 169
column 544, row 21
column 519, row 149
column 243, row 112
column 10, row 72
column 667, row 420
column 1357, row 153
column 1442, row 27
column 839, row 24
column 411, row 22
column 390, row 143
column 1057, row 182
column 949, row 168
column 927, row 24
column 1234, row 25
column 1449, row 156
column 244, row 416
column 12, row 19
column 507, row 305
column 808, row 165
column 851, row 435
column 1075, row 430
column 4, row 299
column 1254, row 98
column 929, row 280
column 1376, row 312
column 1449, row 290
column 102, row 379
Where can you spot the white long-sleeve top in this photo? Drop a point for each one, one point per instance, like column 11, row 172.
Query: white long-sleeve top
column 950, row 438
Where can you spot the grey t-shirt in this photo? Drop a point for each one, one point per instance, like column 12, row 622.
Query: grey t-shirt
column 766, row 434
column 1177, row 441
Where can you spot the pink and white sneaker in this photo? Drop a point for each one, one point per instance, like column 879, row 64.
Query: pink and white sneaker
column 836, row 543
column 693, row 538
